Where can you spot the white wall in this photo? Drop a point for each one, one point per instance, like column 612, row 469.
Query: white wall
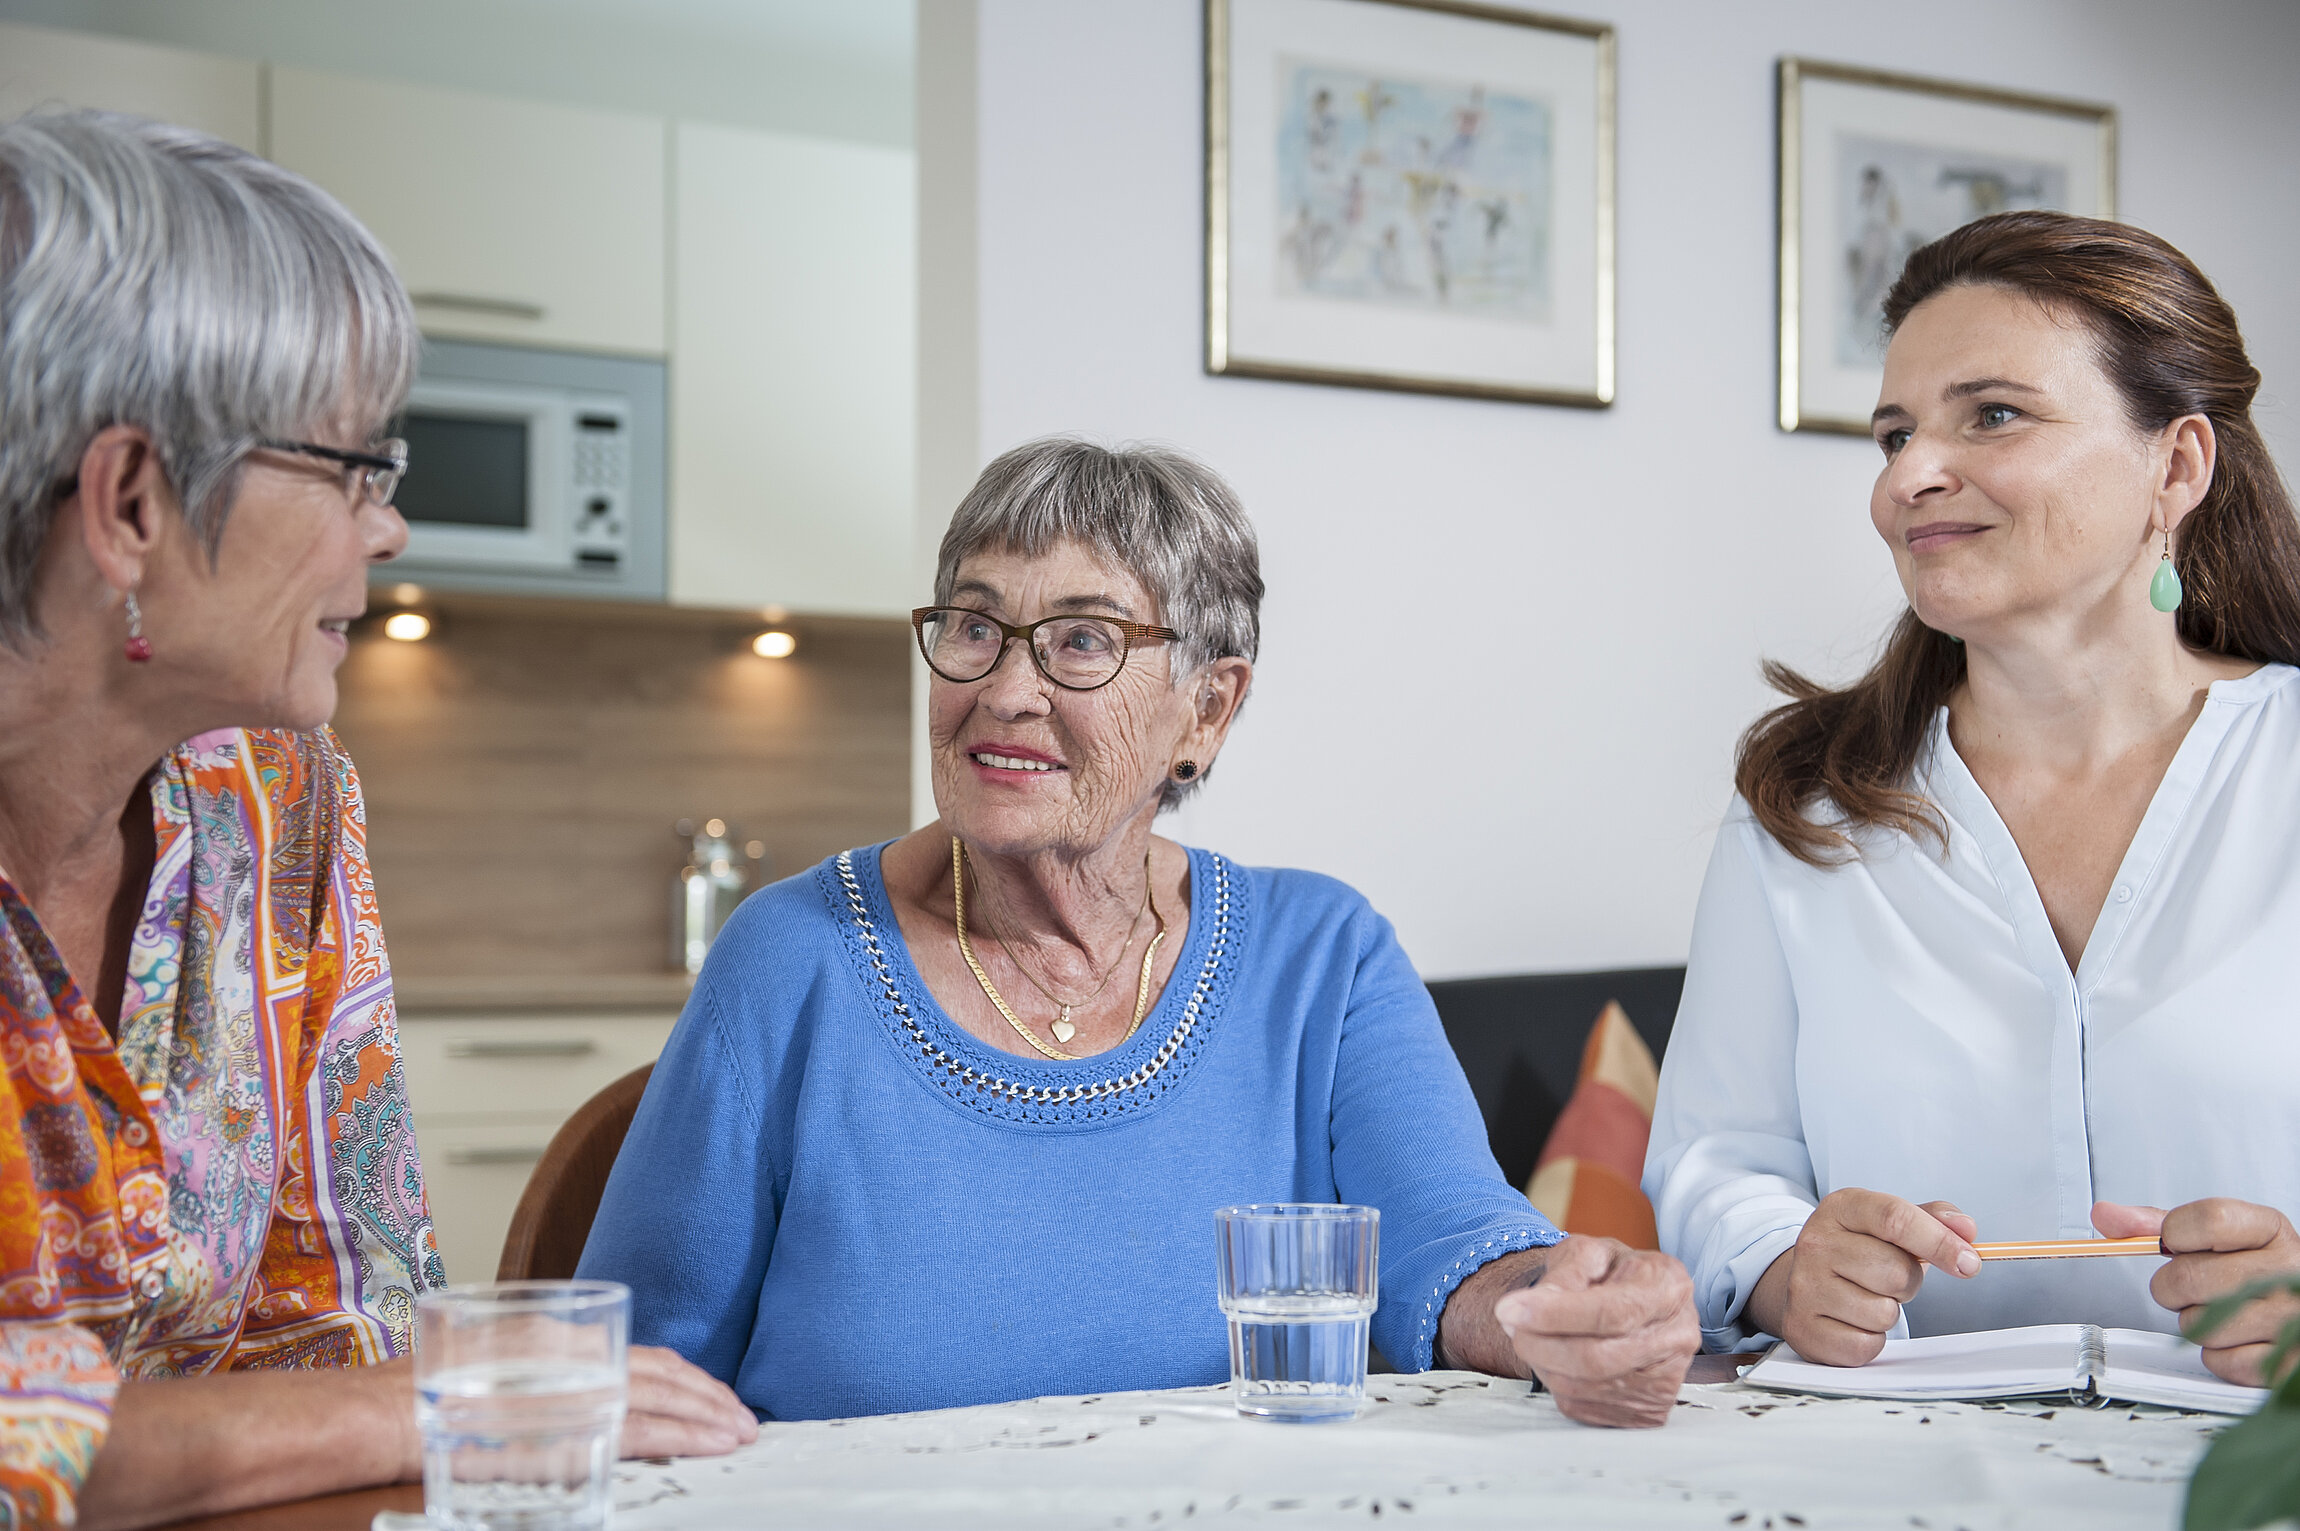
column 1540, row 792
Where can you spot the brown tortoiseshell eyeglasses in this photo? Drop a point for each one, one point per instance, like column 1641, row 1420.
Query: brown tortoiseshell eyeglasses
column 1076, row 653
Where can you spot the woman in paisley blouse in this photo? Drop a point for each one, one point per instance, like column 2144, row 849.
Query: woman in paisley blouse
column 209, row 1193
column 946, row 1119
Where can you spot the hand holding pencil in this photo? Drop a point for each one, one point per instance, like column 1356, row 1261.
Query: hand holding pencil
column 1861, row 1254
column 2213, row 1247
column 1838, row 1290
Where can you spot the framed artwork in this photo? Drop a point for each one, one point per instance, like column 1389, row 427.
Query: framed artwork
column 1874, row 165
column 1411, row 194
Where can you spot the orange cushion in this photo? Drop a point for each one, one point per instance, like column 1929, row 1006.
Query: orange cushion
column 1586, row 1178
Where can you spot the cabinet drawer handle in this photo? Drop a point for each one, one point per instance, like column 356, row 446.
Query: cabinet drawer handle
column 531, row 1047
column 471, row 303
column 509, row 1153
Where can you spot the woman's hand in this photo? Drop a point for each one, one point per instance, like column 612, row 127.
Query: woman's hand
column 679, row 1410
column 1608, row 1329
column 1834, row 1295
column 2217, row 1245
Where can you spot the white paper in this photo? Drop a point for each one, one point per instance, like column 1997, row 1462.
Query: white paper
column 2166, row 1369
column 1994, row 1363
column 2046, row 1359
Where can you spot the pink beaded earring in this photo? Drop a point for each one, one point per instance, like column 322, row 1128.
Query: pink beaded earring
column 138, row 647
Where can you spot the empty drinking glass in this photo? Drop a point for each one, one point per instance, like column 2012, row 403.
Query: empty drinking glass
column 519, row 1392
column 1298, row 1287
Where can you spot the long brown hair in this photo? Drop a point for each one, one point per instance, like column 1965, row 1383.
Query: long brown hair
column 2170, row 344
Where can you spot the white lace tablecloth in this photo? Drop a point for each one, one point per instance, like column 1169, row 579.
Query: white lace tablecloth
column 1442, row 1448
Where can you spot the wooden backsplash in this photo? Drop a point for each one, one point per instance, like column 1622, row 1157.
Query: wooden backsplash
column 525, row 764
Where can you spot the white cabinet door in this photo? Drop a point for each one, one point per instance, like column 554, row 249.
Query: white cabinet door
column 793, row 373
column 488, row 1092
column 483, row 1067
column 509, row 220
column 473, row 1177
column 40, row 66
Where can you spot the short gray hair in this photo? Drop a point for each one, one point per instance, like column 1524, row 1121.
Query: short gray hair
column 154, row 276
column 1158, row 513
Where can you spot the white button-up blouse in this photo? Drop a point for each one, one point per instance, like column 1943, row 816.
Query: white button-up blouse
column 1906, row 1022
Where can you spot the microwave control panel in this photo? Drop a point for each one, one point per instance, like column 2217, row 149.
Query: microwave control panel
column 601, row 484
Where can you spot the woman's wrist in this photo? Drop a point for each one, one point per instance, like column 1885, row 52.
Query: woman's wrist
column 1469, row 1337
column 390, row 1411
column 1767, row 1310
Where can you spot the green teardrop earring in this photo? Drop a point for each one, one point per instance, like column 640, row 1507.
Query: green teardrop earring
column 2164, row 589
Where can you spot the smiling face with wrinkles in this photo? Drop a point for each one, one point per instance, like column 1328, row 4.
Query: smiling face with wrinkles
column 2015, row 486
column 1022, row 766
column 253, row 637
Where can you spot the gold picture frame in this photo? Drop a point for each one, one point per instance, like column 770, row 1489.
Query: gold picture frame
column 1537, row 325
column 1979, row 138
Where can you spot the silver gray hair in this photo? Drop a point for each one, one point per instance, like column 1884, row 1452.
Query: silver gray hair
column 1158, row 513
column 157, row 277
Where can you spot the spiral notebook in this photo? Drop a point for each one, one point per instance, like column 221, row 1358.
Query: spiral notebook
column 2082, row 1362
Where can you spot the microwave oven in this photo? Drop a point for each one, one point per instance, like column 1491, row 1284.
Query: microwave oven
column 533, row 472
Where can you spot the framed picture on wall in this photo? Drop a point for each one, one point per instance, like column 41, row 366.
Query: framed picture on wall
column 1874, row 165
column 1411, row 194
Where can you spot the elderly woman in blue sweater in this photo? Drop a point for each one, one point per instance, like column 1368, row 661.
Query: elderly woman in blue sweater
column 946, row 1119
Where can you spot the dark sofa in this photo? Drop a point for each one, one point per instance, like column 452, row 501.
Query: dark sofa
column 1519, row 1040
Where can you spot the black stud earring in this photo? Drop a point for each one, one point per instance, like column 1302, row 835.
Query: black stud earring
column 1184, row 770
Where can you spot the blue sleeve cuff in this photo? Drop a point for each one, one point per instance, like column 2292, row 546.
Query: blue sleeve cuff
column 1421, row 1354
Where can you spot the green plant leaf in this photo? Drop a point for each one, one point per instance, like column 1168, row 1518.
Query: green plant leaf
column 2250, row 1477
column 2287, row 1341
column 2221, row 1309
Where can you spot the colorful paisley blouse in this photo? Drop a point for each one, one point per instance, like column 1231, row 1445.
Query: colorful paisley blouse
column 235, row 1184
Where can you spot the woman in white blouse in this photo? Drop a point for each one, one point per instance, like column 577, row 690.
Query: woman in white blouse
column 2003, row 940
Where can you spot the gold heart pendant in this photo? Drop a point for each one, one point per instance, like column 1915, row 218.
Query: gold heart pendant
column 1063, row 1030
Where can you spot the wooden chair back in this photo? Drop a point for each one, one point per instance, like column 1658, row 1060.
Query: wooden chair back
column 562, row 1196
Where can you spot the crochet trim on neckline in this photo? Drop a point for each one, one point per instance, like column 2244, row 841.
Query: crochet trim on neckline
column 1018, row 1100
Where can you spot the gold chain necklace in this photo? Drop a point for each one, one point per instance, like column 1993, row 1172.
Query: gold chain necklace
column 1062, row 1028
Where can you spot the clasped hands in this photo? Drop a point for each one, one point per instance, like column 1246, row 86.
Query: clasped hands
column 1835, row 1293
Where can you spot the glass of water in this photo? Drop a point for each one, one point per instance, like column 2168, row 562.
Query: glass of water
column 519, row 1391
column 1298, row 1287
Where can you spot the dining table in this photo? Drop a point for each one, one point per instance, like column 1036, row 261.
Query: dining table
column 1443, row 1448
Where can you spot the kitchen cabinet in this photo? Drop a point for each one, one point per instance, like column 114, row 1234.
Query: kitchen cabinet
column 793, row 373
column 40, row 66
column 509, row 220
column 488, row 1092
column 777, row 273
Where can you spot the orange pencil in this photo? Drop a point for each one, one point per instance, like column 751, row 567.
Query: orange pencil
column 2068, row 1249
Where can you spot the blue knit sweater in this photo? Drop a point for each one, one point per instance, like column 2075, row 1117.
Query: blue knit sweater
column 841, row 1203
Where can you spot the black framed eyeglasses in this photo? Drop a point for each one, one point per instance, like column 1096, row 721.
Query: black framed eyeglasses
column 379, row 471
column 1076, row 653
